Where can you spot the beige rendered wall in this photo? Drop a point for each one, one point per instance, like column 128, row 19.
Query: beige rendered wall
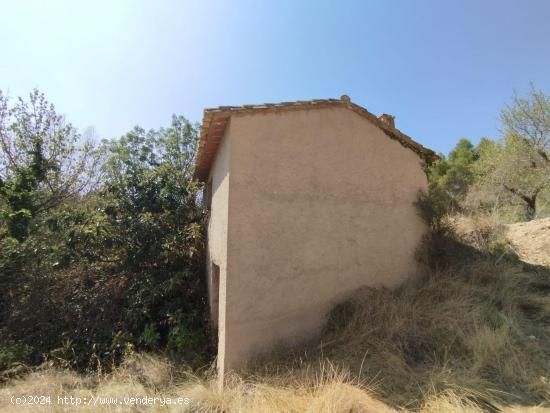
column 321, row 204
column 217, row 239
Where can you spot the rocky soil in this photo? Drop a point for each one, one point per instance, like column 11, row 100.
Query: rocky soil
column 531, row 241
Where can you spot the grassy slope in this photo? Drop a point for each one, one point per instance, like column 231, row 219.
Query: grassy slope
column 473, row 335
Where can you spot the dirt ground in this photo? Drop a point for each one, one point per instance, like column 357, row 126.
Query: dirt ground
column 531, row 240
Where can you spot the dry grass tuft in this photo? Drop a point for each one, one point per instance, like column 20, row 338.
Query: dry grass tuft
column 328, row 390
column 323, row 388
column 481, row 231
column 149, row 370
column 478, row 328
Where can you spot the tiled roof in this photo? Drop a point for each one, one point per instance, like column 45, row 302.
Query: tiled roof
column 215, row 121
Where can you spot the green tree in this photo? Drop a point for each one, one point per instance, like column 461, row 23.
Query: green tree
column 100, row 268
column 45, row 169
column 528, row 118
column 43, row 161
column 516, row 170
column 155, row 228
column 450, row 178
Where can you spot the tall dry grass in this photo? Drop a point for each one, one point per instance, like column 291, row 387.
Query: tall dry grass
column 480, row 327
column 320, row 389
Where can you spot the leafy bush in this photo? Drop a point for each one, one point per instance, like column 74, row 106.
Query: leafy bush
column 13, row 355
column 104, row 268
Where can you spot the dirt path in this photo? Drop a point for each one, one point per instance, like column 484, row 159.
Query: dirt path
column 531, row 240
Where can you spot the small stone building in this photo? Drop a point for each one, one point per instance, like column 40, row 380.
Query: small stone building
column 309, row 201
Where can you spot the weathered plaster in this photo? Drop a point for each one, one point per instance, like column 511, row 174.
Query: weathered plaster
column 321, row 204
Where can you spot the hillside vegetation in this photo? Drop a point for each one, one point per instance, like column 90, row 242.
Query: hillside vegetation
column 472, row 336
column 103, row 290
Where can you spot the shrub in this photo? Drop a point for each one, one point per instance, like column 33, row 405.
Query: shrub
column 115, row 268
column 13, row 355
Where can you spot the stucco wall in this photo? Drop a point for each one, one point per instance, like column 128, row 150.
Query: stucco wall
column 217, row 238
column 321, row 204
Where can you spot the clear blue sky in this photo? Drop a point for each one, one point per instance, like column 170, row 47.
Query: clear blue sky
column 443, row 68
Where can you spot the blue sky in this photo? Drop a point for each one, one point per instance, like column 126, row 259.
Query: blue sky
column 443, row 68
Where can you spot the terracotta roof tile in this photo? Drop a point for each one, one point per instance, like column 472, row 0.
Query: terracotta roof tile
column 215, row 121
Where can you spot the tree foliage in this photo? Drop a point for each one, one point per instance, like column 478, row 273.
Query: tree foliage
column 155, row 231
column 516, row 169
column 43, row 161
column 528, row 118
column 506, row 175
column 450, row 178
column 109, row 255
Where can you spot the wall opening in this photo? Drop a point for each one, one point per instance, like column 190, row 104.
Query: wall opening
column 215, row 300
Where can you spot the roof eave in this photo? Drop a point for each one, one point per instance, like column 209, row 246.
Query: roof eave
column 215, row 122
